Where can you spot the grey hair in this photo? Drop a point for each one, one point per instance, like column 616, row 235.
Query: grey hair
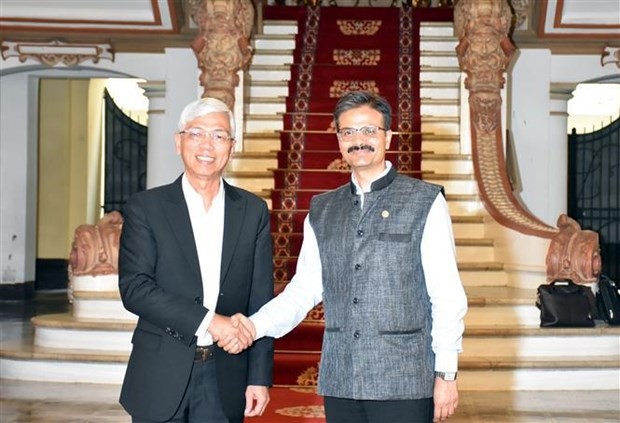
column 355, row 99
column 205, row 106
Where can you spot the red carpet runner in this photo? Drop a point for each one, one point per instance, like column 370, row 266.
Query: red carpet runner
column 338, row 49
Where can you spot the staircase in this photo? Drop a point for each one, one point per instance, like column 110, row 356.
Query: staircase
column 504, row 349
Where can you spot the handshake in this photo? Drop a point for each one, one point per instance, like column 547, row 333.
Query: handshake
column 233, row 334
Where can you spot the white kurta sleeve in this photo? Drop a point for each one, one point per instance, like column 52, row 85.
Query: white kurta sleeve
column 448, row 300
column 305, row 290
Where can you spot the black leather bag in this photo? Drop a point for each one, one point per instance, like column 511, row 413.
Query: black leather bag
column 565, row 304
column 608, row 300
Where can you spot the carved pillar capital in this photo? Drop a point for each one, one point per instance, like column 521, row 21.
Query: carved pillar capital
column 153, row 88
column 155, row 91
column 222, row 46
column 562, row 90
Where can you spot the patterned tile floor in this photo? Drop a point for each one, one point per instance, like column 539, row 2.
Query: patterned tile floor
column 36, row 402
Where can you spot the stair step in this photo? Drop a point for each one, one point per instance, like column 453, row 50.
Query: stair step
column 279, row 27
column 270, row 72
column 438, row 43
column 454, row 183
column 440, row 92
column 265, row 107
column 263, row 123
column 252, row 160
column 252, row 181
column 524, row 356
column 448, row 163
column 268, row 88
column 443, row 125
column 95, row 305
column 261, row 142
column 441, row 59
column 451, row 74
column 436, row 29
column 274, row 41
column 274, row 57
column 431, row 108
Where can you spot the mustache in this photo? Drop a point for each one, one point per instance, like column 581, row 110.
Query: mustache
column 361, row 147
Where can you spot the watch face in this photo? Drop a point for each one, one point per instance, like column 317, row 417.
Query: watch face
column 448, row 376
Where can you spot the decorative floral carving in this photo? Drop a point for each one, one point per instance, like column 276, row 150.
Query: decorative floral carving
column 484, row 107
column 573, row 253
column 303, row 411
column 340, row 87
column 94, row 250
column 359, row 27
column 55, row 52
column 222, row 46
column 357, row 57
column 339, row 164
column 316, row 314
column 309, row 377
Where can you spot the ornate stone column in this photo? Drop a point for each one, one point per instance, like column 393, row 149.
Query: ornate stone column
column 222, row 46
column 558, row 151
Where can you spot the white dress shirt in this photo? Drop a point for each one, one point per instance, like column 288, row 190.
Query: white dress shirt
column 447, row 296
column 208, row 228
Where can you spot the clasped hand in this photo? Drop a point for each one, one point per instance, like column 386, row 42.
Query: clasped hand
column 233, row 334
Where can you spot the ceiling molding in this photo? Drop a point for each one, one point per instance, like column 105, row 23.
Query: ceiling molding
column 578, row 19
column 150, row 26
column 108, row 17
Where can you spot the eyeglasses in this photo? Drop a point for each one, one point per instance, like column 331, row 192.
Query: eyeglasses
column 348, row 134
column 198, row 135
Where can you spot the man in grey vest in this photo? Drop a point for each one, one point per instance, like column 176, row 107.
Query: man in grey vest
column 379, row 252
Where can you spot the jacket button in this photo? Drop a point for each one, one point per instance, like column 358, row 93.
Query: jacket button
column 356, row 334
column 358, row 266
column 356, row 300
column 356, row 203
column 198, row 300
column 360, row 232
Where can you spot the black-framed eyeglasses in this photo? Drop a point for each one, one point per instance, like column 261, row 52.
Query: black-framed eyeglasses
column 198, row 135
column 348, row 134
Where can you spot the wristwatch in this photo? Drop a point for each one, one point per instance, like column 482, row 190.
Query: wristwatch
column 447, row 376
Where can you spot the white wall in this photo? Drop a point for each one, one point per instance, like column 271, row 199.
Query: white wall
column 528, row 118
column 17, row 180
column 529, row 94
column 18, row 138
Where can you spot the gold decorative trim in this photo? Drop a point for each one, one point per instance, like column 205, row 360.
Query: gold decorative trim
column 339, row 164
column 56, row 52
column 357, row 57
column 303, row 411
column 309, row 378
column 359, row 27
column 339, row 87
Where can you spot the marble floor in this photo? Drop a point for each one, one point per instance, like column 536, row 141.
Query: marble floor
column 29, row 402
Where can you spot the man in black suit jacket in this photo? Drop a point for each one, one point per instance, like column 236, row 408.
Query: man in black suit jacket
column 192, row 254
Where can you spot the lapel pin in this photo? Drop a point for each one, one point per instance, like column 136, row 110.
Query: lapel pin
column 385, row 214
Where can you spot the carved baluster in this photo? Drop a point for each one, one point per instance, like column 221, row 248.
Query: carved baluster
column 222, row 46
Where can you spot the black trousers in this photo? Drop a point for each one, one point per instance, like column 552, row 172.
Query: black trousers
column 343, row 410
column 201, row 402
